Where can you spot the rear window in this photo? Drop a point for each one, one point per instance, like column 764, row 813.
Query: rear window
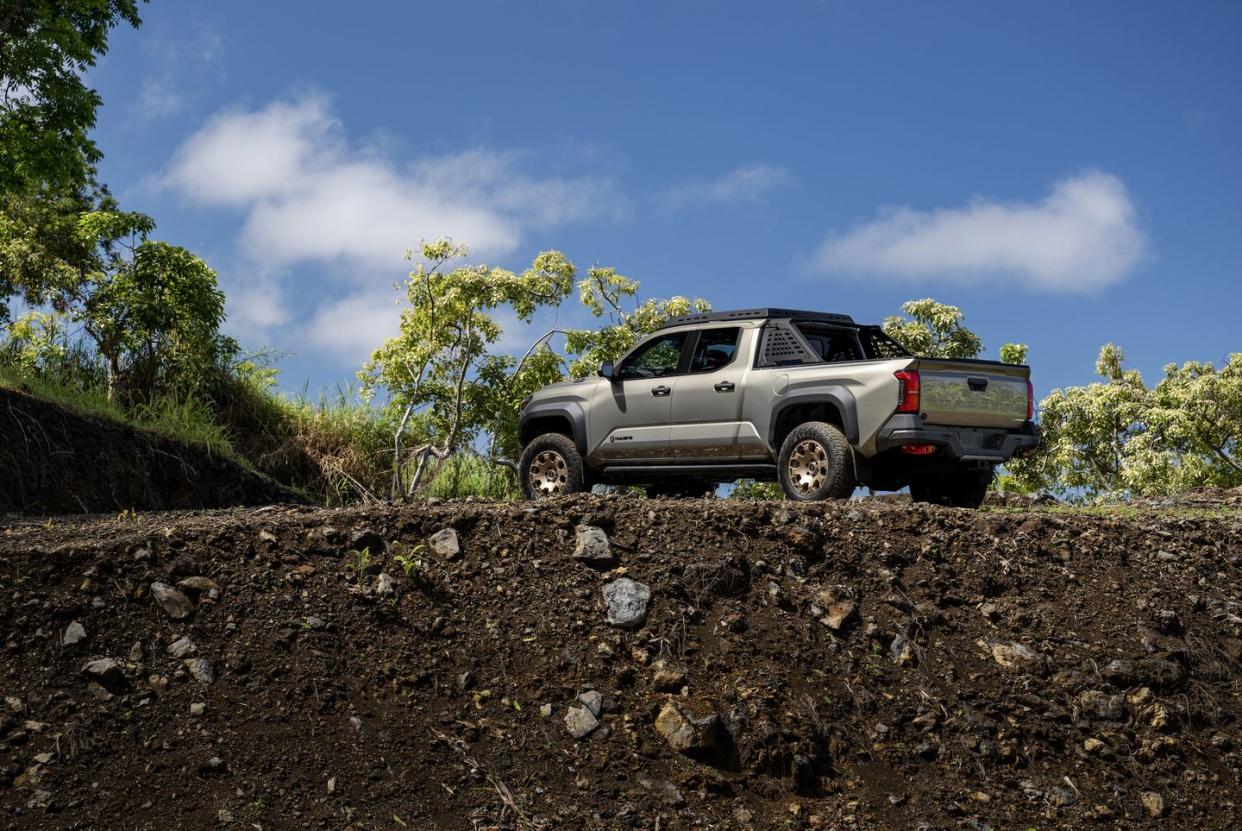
column 879, row 346
column 830, row 344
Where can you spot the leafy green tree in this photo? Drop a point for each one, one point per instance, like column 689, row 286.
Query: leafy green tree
column 937, row 330
column 438, row 370
column 46, row 111
column 605, row 293
column 43, row 257
column 153, row 310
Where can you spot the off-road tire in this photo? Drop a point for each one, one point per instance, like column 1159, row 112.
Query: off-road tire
column 816, row 462
column 957, row 490
column 681, row 489
column 554, row 463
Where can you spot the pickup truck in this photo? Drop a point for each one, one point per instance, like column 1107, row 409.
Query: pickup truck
column 812, row 400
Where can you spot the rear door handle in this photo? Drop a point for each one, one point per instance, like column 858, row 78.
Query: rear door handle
column 725, row 386
column 660, row 391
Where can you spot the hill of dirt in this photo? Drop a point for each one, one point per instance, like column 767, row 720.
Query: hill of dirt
column 616, row 662
column 56, row 461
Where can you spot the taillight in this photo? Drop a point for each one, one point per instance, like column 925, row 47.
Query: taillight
column 1030, row 400
column 908, row 391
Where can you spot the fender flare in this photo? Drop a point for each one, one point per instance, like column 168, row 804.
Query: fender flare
column 838, row 396
column 570, row 410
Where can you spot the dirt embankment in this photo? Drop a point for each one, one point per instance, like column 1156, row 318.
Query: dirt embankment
column 54, row 461
column 859, row 665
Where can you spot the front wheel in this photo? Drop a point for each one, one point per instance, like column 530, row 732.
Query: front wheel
column 956, row 490
column 816, row 462
column 550, row 466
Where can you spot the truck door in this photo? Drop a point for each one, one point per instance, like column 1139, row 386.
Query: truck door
column 707, row 405
column 630, row 416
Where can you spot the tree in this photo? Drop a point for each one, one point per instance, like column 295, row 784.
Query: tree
column 604, row 292
column 438, row 370
column 937, row 330
column 153, row 310
column 1120, row 437
column 46, row 111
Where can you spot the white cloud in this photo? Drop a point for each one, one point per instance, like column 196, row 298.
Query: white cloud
column 309, row 195
column 158, row 98
column 743, row 184
column 182, row 66
column 351, row 328
column 1082, row 237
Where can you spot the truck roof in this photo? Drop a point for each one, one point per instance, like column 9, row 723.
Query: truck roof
column 757, row 314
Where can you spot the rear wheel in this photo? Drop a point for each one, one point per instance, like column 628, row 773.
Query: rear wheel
column 816, row 462
column 550, row 466
column 955, row 490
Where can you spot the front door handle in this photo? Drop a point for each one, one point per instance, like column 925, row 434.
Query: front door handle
column 660, row 391
column 725, row 386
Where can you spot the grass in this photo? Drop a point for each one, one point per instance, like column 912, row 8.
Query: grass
column 468, row 474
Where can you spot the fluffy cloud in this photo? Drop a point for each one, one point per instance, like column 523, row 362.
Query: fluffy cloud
column 1083, row 236
column 309, row 195
column 743, row 184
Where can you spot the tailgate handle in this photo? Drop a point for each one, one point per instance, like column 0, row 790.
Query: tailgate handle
column 977, row 384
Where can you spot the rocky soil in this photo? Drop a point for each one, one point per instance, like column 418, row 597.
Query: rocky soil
column 610, row 662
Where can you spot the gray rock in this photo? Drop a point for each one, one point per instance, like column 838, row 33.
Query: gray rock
column 687, row 733
column 105, row 670
column 838, row 614
column 1017, row 657
column 581, row 722
column 15, row 704
column 627, row 601
column 444, row 544
column 355, row 723
column 135, row 652
column 175, row 604
column 662, row 789
column 1095, row 704
column 384, row 586
column 592, row 547
column 593, row 701
column 198, row 708
column 198, row 584
column 75, row 633
column 902, row 650
column 181, row 648
column 200, row 670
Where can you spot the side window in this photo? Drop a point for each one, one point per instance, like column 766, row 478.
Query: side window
column 831, row 345
column 655, row 358
column 717, row 348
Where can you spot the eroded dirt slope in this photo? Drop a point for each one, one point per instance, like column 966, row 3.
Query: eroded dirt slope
column 56, row 461
column 863, row 665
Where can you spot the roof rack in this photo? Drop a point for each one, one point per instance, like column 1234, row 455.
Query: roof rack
column 756, row 314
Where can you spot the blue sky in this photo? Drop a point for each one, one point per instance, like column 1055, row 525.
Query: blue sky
column 1067, row 173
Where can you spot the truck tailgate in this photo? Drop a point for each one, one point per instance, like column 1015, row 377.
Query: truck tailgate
column 965, row 393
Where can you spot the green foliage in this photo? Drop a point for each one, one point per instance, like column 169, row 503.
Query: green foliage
column 933, row 330
column 468, row 474
column 43, row 257
column 357, row 562
column 46, row 111
column 750, row 489
column 1013, row 353
column 605, row 293
column 409, row 561
column 153, row 309
column 1120, row 437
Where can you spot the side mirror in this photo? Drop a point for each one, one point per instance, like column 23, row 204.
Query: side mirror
column 605, row 371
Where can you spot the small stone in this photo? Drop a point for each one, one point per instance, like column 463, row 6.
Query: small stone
column 581, row 722
column 444, row 544
column 200, row 670
column 75, row 633
column 105, row 670
column 667, row 678
column 312, row 622
column 368, row 539
column 1153, row 803
column 592, row 547
column 135, row 652
column 355, row 723
column 662, row 790
column 198, row 584
column 175, row 604
column 181, row 648
column 158, row 684
column 593, row 701
column 15, row 704
column 384, row 586
column 687, row 733
column 331, row 784
column 198, row 708
column 1017, row 657
column 836, row 615
column 902, row 650
column 1095, row 704
column 1093, row 745
column 1062, row 797
column 627, row 601
column 546, row 711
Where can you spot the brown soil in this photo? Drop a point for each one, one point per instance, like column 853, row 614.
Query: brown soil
column 55, row 461
column 1010, row 669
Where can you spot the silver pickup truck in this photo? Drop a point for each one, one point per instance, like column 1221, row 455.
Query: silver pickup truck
column 813, row 400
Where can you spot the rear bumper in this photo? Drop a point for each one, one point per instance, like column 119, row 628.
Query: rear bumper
column 958, row 443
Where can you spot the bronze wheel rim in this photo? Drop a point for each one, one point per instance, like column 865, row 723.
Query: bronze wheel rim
column 808, row 466
column 548, row 474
